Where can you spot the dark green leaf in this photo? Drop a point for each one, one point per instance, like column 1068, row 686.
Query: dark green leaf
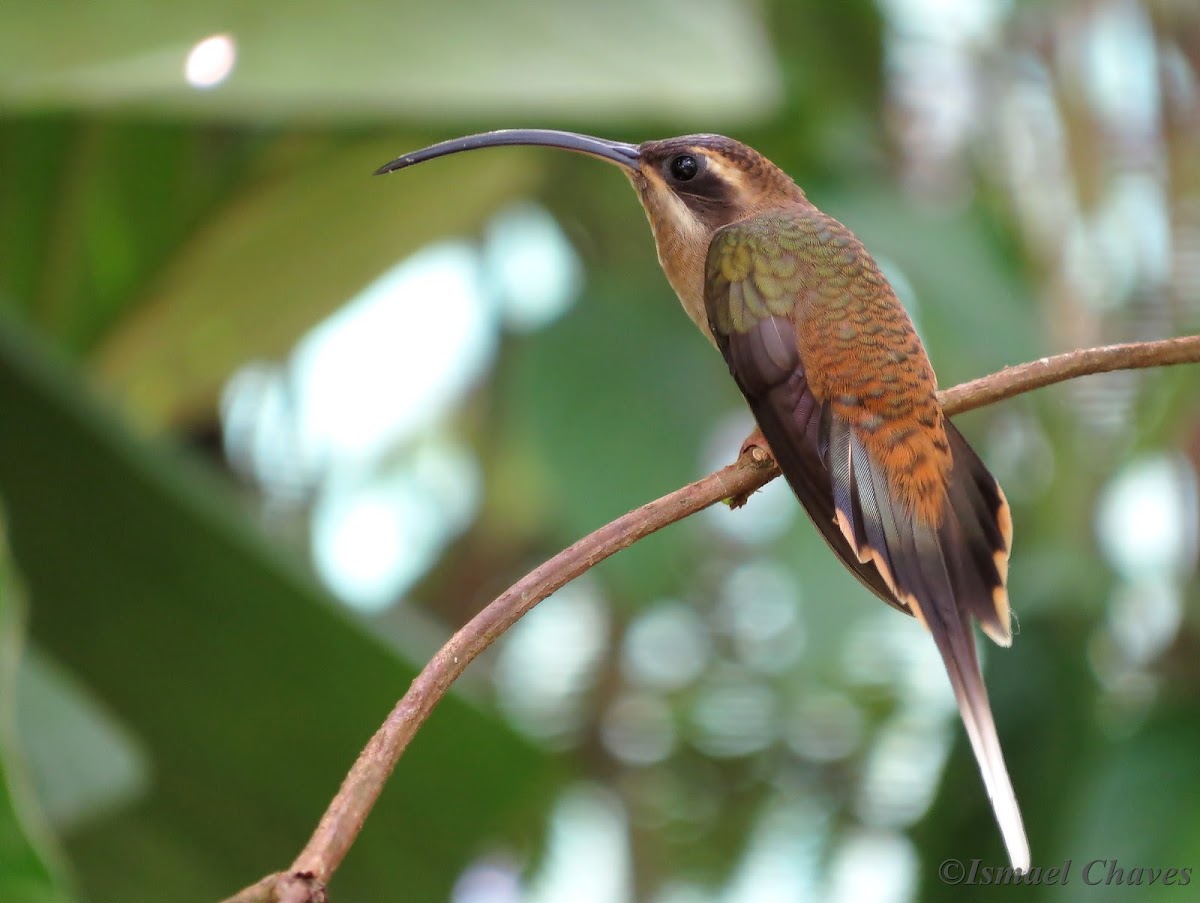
column 250, row 692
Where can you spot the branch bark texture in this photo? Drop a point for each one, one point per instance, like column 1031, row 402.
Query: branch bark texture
column 343, row 820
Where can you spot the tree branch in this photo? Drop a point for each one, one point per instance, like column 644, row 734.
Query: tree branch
column 1049, row 370
column 340, row 826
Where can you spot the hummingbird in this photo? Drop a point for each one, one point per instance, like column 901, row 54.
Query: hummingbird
column 841, row 389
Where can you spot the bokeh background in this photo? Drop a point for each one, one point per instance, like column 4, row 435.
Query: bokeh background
column 271, row 429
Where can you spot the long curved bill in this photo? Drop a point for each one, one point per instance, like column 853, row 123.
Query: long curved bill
column 614, row 151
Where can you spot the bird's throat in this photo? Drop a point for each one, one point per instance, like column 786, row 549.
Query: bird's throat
column 682, row 243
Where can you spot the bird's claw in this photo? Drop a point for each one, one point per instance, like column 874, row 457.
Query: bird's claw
column 757, row 452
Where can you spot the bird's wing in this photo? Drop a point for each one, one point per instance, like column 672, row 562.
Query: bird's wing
column 755, row 334
column 768, row 369
column 850, row 412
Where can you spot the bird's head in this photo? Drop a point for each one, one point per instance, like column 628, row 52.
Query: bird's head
column 690, row 187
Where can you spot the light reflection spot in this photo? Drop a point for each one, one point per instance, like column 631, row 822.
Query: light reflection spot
column 666, row 647
column 210, row 61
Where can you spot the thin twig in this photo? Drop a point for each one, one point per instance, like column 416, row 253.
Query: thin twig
column 1049, row 370
column 344, row 818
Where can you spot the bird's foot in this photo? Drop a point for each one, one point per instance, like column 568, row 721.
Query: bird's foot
column 757, row 452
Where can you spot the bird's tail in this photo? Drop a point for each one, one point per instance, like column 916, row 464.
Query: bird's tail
column 944, row 573
column 973, row 541
column 950, row 625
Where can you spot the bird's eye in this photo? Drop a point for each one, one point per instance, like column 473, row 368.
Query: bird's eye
column 684, row 167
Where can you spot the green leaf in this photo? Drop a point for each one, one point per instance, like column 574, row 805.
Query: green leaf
column 368, row 58
column 249, row 691
column 278, row 257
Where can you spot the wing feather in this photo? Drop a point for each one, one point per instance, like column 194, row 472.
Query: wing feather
column 766, row 364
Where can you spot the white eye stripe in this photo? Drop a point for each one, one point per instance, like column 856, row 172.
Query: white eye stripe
column 723, row 171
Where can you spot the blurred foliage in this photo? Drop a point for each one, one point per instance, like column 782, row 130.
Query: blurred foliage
column 247, row 693
column 370, row 60
column 30, row 866
column 188, row 698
